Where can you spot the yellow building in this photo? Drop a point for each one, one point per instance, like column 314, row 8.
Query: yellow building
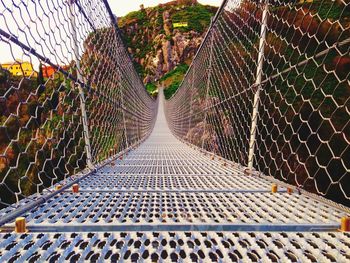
column 20, row 68
column 180, row 24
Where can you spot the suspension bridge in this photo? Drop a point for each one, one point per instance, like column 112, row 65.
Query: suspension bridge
column 247, row 162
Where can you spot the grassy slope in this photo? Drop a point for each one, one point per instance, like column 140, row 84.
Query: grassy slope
column 172, row 80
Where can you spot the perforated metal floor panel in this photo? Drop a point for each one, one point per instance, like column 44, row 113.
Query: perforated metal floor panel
column 182, row 208
column 166, row 201
column 176, row 247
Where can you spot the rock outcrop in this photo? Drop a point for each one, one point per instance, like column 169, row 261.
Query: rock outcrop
column 156, row 41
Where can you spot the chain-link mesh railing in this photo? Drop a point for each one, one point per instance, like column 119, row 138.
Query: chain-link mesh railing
column 69, row 95
column 269, row 89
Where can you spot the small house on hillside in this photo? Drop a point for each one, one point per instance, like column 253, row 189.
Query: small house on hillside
column 20, row 68
column 180, row 24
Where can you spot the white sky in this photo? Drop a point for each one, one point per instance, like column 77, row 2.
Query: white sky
column 121, row 9
column 30, row 19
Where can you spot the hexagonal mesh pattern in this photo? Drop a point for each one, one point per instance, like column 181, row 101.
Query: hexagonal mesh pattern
column 258, row 92
column 269, row 88
column 62, row 93
column 152, row 214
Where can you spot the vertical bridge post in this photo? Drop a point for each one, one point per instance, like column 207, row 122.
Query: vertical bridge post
column 81, row 91
column 257, row 84
column 114, row 23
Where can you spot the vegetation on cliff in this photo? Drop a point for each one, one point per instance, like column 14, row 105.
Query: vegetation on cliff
column 40, row 133
column 158, row 47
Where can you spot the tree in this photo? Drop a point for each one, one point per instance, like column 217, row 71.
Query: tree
column 40, row 79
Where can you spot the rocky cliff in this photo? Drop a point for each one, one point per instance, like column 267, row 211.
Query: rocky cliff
column 164, row 37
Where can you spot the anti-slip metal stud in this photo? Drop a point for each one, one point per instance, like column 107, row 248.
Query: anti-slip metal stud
column 75, row 188
column 274, row 188
column 345, row 224
column 58, row 187
column 20, row 226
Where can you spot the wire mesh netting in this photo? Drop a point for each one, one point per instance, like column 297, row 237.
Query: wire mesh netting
column 269, row 89
column 69, row 95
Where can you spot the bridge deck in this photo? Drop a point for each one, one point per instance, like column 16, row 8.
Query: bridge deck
column 166, row 201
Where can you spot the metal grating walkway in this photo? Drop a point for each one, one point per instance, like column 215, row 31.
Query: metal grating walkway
column 166, row 201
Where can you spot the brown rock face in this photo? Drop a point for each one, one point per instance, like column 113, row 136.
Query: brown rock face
column 178, row 50
column 167, row 23
column 156, row 45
